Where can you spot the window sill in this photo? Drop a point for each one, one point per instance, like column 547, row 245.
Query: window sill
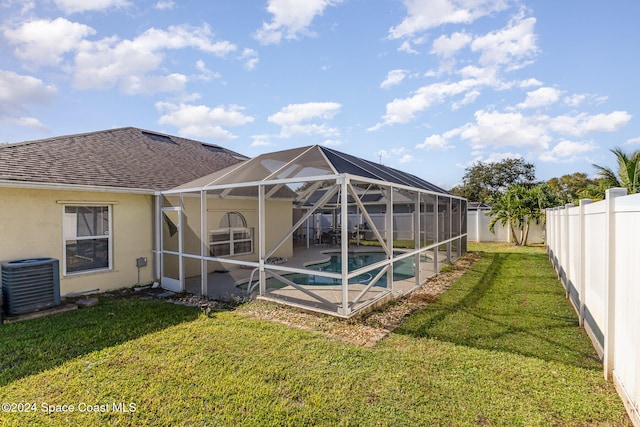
column 88, row 272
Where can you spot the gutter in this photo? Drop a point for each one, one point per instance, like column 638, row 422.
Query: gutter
column 6, row 183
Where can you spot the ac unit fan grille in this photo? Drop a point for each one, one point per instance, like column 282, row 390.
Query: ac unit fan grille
column 30, row 285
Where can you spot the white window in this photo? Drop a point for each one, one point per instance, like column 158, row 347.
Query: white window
column 87, row 238
column 233, row 237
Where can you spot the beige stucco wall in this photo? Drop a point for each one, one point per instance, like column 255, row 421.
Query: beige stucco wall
column 31, row 227
column 278, row 220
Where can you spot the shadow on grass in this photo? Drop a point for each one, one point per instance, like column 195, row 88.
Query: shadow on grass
column 507, row 302
column 36, row 345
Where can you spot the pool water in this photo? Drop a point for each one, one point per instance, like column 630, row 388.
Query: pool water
column 402, row 269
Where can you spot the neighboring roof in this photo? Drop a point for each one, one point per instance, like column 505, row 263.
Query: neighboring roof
column 306, row 162
column 474, row 206
column 371, row 196
column 124, row 158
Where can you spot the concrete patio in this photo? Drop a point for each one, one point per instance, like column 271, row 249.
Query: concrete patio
column 228, row 284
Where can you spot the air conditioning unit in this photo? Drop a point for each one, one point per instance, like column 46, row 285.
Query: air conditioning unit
column 30, row 285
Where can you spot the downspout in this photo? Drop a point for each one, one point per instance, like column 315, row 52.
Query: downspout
column 157, row 244
column 204, row 245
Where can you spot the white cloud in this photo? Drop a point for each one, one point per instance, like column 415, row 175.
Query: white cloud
column 165, row 5
column 201, row 121
column 250, row 57
column 439, row 142
column 397, row 155
column 129, row 64
column 407, row 47
column 567, row 151
column 290, row 18
column 261, row 141
column 485, row 76
column 580, row 124
column 495, row 129
column 498, row 157
column 448, row 46
column 18, row 91
column 406, row 158
column 633, row 141
column 434, row 142
column 294, row 117
column 44, row 42
column 423, row 15
column 541, row 97
column 578, row 99
column 132, row 85
column 532, row 132
column 394, row 77
column 469, row 98
column 205, row 73
column 332, row 142
column 575, row 100
column 110, row 61
column 76, row 6
column 404, row 109
column 530, row 83
column 25, row 122
column 511, row 46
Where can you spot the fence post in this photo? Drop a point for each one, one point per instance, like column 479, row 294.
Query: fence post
column 562, row 245
column 556, row 231
column 583, row 261
column 610, row 277
column 567, row 257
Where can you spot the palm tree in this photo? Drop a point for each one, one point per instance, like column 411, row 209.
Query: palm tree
column 507, row 210
column 628, row 173
column 518, row 207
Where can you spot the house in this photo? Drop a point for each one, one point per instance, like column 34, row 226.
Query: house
column 208, row 219
column 90, row 200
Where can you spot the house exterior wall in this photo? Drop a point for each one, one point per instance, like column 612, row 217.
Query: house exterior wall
column 31, row 227
column 278, row 220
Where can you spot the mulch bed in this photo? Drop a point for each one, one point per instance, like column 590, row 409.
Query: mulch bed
column 366, row 329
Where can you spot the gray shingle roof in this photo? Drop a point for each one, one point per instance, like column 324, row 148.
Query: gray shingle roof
column 124, row 158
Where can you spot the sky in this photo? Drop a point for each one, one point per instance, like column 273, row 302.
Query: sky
column 429, row 87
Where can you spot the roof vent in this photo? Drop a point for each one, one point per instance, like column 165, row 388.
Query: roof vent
column 158, row 137
column 30, row 285
column 214, row 148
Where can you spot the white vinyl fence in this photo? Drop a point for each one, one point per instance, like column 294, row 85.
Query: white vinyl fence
column 478, row 229
column 595, row 248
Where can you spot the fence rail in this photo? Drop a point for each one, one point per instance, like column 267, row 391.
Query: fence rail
column 594, row 247
column 478, row 229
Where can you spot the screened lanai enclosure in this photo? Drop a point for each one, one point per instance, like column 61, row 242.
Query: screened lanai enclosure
column 309, row 227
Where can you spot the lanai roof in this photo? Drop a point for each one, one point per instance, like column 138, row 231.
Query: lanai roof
column 127, row 157
column 305, row 162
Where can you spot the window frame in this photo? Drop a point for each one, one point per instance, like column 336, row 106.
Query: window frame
column 66, row 237
column 228, row 235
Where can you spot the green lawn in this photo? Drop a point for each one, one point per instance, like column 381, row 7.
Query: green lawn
column 501, row 347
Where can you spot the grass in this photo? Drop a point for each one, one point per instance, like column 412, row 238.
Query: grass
column 501, row 347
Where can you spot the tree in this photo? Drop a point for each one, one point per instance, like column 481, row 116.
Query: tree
column 482, row 181
column 628, row 173
column 595, row 191
column 569, row 188
column 518, row 207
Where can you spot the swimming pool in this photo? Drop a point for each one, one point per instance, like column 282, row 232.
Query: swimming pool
column 402, row 269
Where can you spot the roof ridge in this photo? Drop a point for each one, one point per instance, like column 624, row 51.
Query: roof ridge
column 72, row 135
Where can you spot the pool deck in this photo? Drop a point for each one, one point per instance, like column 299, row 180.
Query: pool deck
column 224, row 285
